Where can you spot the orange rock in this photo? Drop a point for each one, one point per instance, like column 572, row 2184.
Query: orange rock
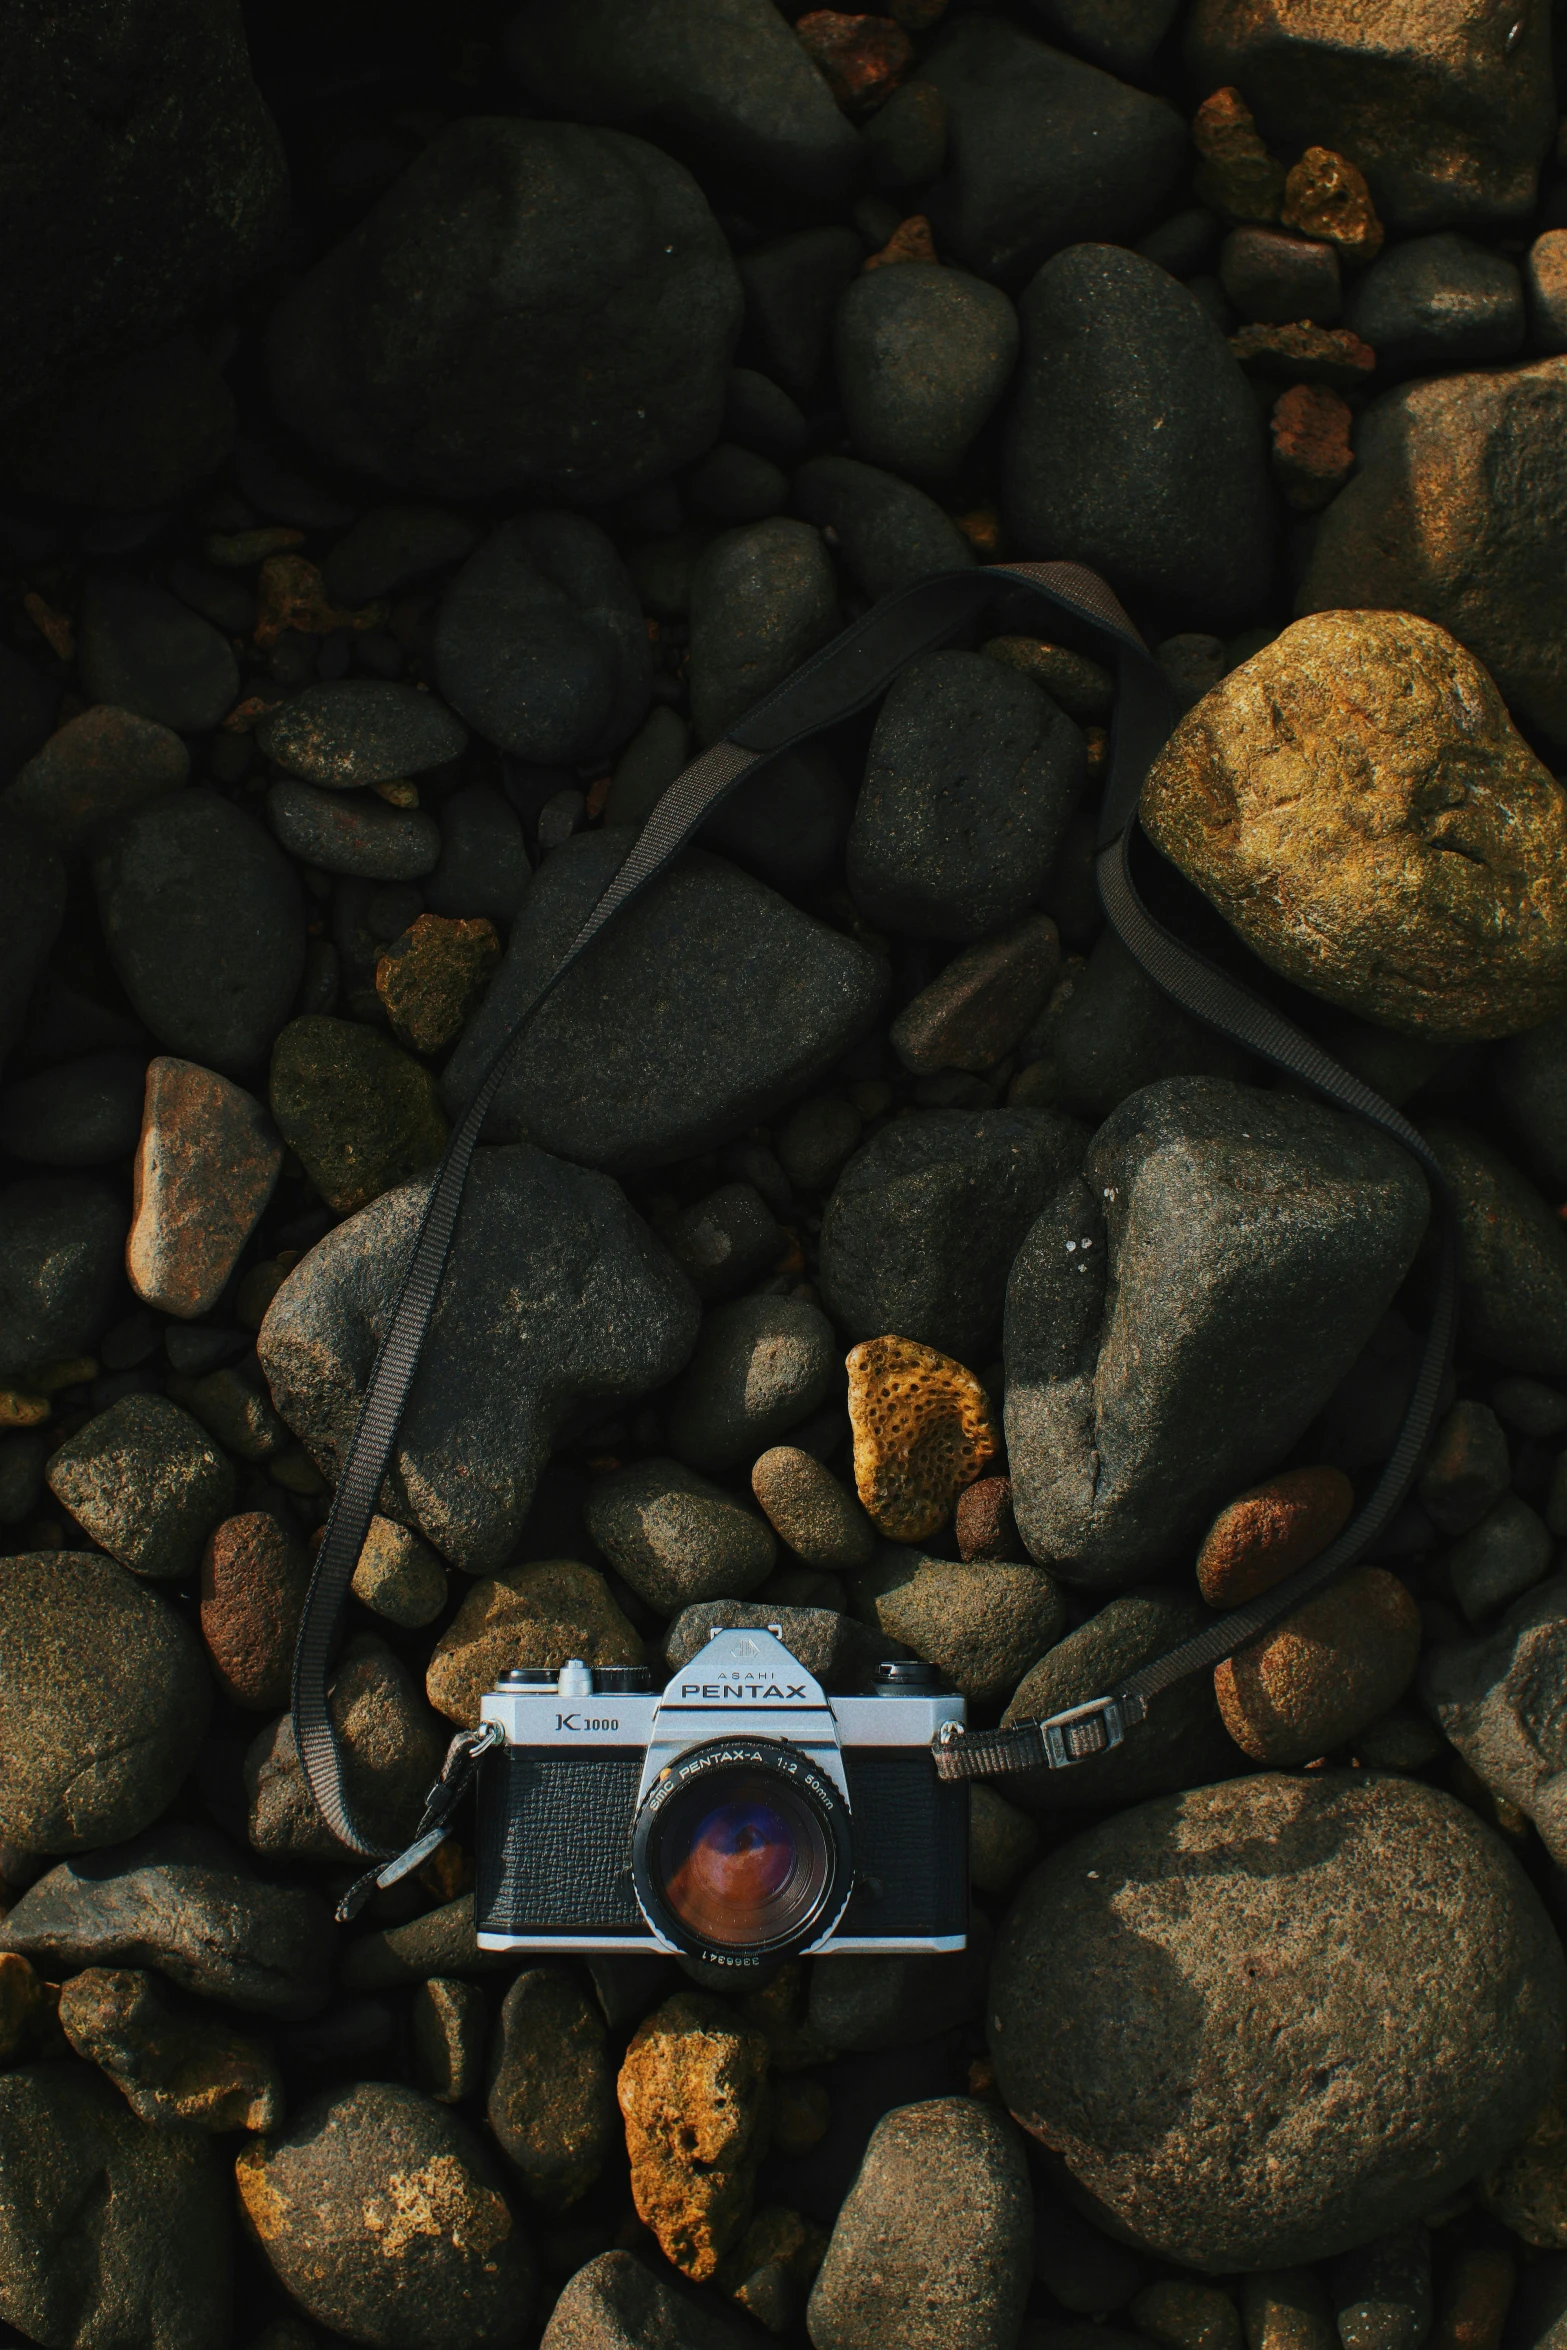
column 1311, row 354
column 1328, row 1670
column 911, row 240
column 1312, row 454
column 982, row 529
column 1235, row 174
column 694, row 2093
column 206, row 1165
column 291, row 593
column 862, row 59
column 431, row 978
column 922, row 1431
column 1267, row 1532
column 1326, row 197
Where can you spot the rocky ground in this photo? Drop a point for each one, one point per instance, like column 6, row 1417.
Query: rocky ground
column 425, row 429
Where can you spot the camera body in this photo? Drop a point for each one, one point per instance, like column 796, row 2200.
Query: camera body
column 739, row 1815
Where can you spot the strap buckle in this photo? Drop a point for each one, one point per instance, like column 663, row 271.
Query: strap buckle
column 1086, row 1730
column 462, row 1757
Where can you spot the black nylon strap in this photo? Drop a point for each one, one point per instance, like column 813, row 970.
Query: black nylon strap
column 843, row 677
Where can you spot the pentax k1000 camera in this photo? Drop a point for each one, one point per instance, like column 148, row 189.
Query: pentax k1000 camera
column 740, row 1815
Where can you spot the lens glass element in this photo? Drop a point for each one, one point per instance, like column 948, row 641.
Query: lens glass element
column 742, row 1858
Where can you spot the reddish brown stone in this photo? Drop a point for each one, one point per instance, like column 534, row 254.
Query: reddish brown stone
column 1326, row 196
column 1267, row 1532
column 432, row 977
column 1235, row 173
column 206, row 1165
column 985, row 1526
column 862, row 59
column 1475, row 2300
column 1310, row 354
column 254, row 1576
column 1328, row 1670
column 1312, row 454
column 911, row 240
column 974, row 1012
column 291, row 593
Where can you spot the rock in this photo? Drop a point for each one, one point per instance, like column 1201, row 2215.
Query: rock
column 358, row 836
column 731, row 484
column 1531, row 1407
column 109, row 2231
column 543, row 1613
column 541, row 644
column 380, row 2215
column 1182, row 1906
column 22, row 1459
column 921, row 1231
column 360, row 730
column 614, row 2303
column 1467, row 1468
column 1449, row 457
column 972, row 778
column 555, row 1292
column 178, row 1899
column 1545, row 282
column 142, row 649
column 888, row 533
column 983, row 1520
column 1313, row 455
column 625, row 1065
column 1124, row 38
column 1512, row 1256
column 836, row 1651
column 399, row 1577
column 927, row 2270
column 254, row 1576
column 392, row 1747
column 761, row 1365
column 448, row 2022
column 1084, row 688
column 1528, row 1078
column 140, row 432
column 1279, row 279
column 1448, row 127
column 1181, row 1744
column 792, row 285
column 360, row 1115
column 724, row 1242
column 807, row 1508
column 905, row 141
column 1537, row 2311
column 433, row 978
column 1442, row 301
column 1438, row 919
column 1318, row 355
column 175, row 2072
column 982, row 1004
column 206, row 1165
column 1325, row 195
column 1180, row 1164
column 442, row 1941
column 1382, row 2292
column 1004, row 1842
column 762, row 598
column 1042, row 151
column 786, row 821
column 145, row 1482
column 551, row 2095
column 204, row 922
column 1270, row 1531
column 816, row 1138
column 1108, row 1031
column 734, row 95
column 922, row 1431
column 1325, row 1673
column 1180, row 2315
column 1508, row 1550
column 32, row 905
column 981, row 1622
column 676, row 1538
column 82, row 1115
column 61, row 1239
column 387, row 547
column 484, row 867
column 99, row 765
column 28, row 704
column 1154, row 474
column 693, row 2090
column 922, row 354
column 103, row 1701
column 1526, row 2191
column 511, row 385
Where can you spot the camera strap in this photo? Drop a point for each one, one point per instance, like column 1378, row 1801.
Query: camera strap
column 846, row 676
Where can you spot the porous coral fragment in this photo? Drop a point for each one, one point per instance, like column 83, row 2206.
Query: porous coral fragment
column 922, row 1431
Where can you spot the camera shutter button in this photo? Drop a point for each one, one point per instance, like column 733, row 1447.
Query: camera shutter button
column 576, row 1679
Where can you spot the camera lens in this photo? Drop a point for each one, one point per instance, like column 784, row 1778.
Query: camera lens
column 742, row 1851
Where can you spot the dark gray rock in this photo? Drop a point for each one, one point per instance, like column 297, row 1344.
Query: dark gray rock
column 392, row 1745
column 205, row 925
column 541, row 644
column 865, row 2000
column 1107, row 1031
column 761, row 1365
column 390, row 546
column 1513, row 1257
column 181, row 1900
column 920, row 1233
column 923, row 2269
column 359, row 730
column 448, row 2024
column 440, row 1942
column 32, row 905
column 1183, row 1743
column 1135, row 444
column 1169, row 1336
column 675, row 1537
column 922, row 354
column 615, row 2303
column 550, row 2098
column 834, row 1649
column 627, row 1065
column 1467, row 1468
column 122, row 231
column 762, row 598
column 143, row 649
column 1042, row 151
column 1529, row 1073
column 1382, row 2297
column 1277, row 279
column 110, row 2231
column 1121, row 35
column 728, row 89
column 22, row 1458
column 1537, row 2319
column 82, row 1115
column 513, row 241
column 786, row 822
column 724, row 1242
column 381, row 2215
column 982, row 1622
column 760, row 415
column 888, row 532
column 792, row 285
column 972, row 778
column 731, row 484
column 27, row 707
column 556, row 1292
column 906, row 140
column 146, row 1483
column 1449, row 2018
column 104, row 1700
column 62, row 1243
column 353, row 833
column 484, row 868
column 136, row 433
column 1494, row 1698
column 812, row 1510
column 1442, row 301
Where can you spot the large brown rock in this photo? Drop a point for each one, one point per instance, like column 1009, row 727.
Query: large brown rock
column 694, row 2092
column 206, row 1164
column 544, row 1612
column 1457, row 511
column 1298, row 2012
column 1358, row 806
column 1445, row 105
